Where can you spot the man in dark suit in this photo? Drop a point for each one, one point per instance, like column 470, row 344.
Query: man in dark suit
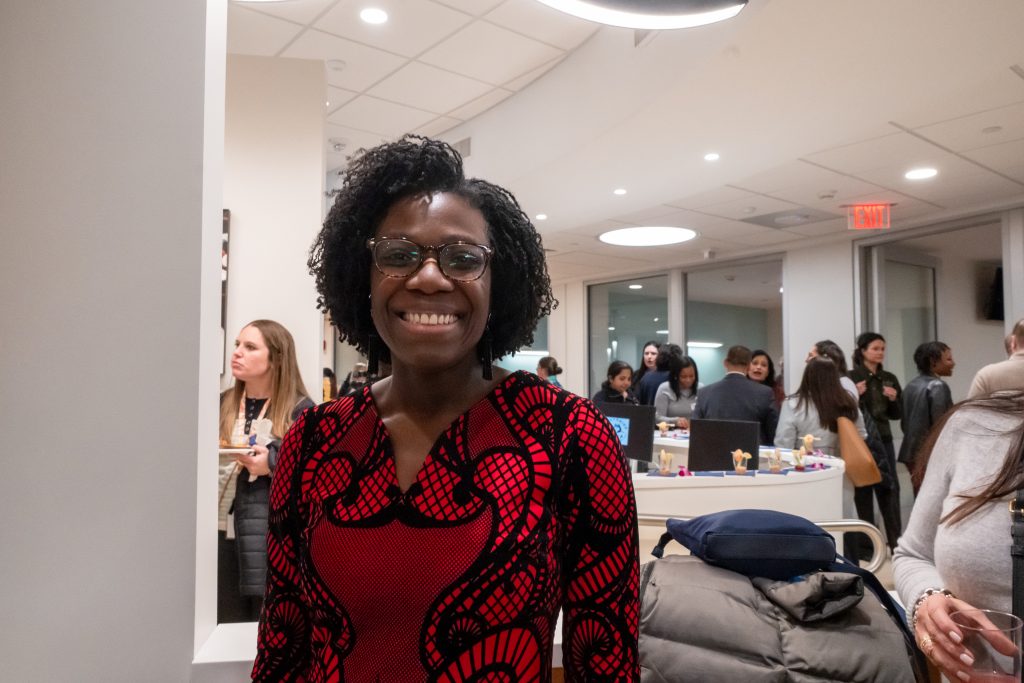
column 737, row 398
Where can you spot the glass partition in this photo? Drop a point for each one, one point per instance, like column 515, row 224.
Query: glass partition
column 739, row 304
column 623, row 316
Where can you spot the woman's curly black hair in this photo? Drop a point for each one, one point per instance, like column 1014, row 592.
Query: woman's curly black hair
column 377, row 178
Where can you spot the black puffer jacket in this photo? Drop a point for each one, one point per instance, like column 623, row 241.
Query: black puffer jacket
column 251, row 509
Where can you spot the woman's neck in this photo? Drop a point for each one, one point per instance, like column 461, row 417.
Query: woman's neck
column 409, row 390
column 871, row 366
column 258, row 388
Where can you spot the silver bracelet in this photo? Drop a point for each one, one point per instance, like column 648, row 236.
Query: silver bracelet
column 917, row 603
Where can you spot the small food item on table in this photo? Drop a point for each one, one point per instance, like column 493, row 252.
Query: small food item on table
column 665, row 462
column 798, row 459
column 808, row 440
column 663, row 428
column 739, row 460
column 775, row 461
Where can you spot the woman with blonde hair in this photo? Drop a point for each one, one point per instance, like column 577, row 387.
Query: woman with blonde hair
column 267, row 397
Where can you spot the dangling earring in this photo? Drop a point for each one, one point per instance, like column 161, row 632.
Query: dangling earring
column 483, row 350
column 373, row 354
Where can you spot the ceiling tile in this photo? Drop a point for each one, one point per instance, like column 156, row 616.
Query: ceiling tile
column 480, row 104
column 542, row 23
column 427, row 87
column 953, row 173
column 982, row 91
column 795, row 174
column 438, row 126
column 529, row 77
column 748, row 207
column 254, row 33
column 353, row 139
column 489, row 53
column 898, row 148
column 597, row 260
column 818, row 229
column 298, row 11
column 646, row 216
column 381, row 117
column 710, row 197
column 1007, row 158
column 338, row 97
column 966, row 132
column 412, row 26
column 477, row 8
column 731, row 230
column 364, row 65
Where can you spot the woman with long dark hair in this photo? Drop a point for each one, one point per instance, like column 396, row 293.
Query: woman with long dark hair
column 815, row 408
column 880, row 397
column 673, row 404
column 955, row 554
column 648, row 359
column 762, row 371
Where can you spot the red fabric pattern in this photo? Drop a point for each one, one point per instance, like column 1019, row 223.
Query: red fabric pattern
column 523, row 506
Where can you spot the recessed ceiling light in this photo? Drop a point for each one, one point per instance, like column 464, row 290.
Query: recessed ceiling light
column 637, row 287
column 619, row 191
column 541, row 216
column 650, row 236
column 711, row 156
column 780, row 290
column 662, row 332
column 373, row 15
column 656, row 320
column 611, row 328
column 669, row 15
column 920, row 173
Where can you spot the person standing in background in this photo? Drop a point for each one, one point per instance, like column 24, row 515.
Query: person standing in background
column 648, row 362
column 648, row 386
column 1007, row 375
column 616, row 389
column 734, row 397
column 879, row 392
column 267, row 397
column 548, row 368
column 762, row 370
column 673, row 404
column 926, row 398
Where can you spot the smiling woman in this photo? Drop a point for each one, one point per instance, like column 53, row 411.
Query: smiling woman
column 432, row 525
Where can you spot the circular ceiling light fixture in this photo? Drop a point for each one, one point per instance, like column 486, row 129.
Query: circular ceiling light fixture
column 712, row 156
column 374, row 15
column 649, row 236
column 656, row 15
column 920, row 173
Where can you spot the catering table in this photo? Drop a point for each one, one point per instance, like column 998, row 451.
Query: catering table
column 816, row 494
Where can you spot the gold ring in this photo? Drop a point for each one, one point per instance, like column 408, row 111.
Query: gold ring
column 927, row 644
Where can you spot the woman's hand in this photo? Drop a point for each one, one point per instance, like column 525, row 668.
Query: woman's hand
column 940, row 639
column 255, row 461
column 682, row 423
column 890, row 393
column 862, row 386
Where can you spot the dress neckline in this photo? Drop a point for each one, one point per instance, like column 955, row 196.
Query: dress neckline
column 392, row 467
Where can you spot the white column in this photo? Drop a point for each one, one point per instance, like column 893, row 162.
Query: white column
column 273, row 186
column 1013, row 266
column 109, row 230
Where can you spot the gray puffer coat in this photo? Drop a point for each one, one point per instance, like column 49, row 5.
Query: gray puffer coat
column 706, row 624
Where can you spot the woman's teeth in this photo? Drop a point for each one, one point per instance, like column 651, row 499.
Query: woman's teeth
column 429, row 318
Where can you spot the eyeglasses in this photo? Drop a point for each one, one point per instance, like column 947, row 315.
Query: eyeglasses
column 458, row 261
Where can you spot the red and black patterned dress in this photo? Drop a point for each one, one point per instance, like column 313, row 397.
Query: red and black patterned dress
column 524, row 505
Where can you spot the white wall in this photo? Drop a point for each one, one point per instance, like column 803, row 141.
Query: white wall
column 817, row 303
column 108, row 230
column 273, row 185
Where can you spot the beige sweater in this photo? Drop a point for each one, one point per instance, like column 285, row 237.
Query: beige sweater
column 971, row 558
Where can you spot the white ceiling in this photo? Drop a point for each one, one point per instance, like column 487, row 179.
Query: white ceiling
column 812, row 105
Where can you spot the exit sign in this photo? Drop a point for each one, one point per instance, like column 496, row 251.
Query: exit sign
column 867, row 216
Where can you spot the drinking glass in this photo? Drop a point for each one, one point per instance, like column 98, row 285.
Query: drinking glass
column 994, row 640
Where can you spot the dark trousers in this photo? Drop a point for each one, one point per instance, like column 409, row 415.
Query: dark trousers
column 888, row 501
column 232, row 606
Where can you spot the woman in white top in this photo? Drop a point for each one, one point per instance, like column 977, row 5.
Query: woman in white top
column 674, row 400
column 815, row 409
column 955, row 554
